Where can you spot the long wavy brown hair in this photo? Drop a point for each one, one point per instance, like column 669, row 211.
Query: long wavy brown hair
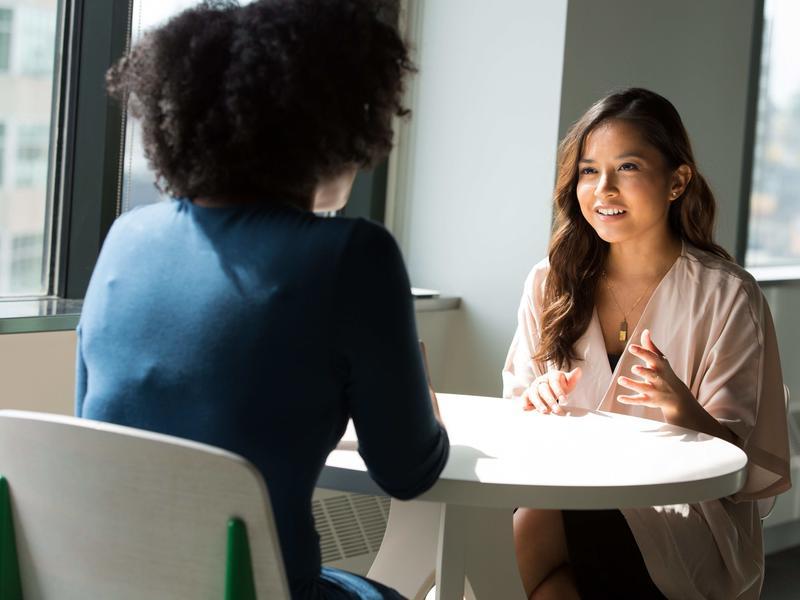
column 577, row 254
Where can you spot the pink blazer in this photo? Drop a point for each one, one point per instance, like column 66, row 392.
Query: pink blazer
column 709, row 317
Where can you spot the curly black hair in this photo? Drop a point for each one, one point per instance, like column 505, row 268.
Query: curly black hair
column 270, row 97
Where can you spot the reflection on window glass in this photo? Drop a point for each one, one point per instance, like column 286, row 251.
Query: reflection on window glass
column 774, row 226
column 27, row 56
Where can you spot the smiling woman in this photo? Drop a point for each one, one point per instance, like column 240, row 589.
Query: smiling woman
column 646, row 159
column 638, row 311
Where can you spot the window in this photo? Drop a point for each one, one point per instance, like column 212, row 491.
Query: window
column 32, row 152
column 36, row 40
column 27, row 56
column 70, row 162
column 2, row 151
column 774, row 226
column 26, row 262
column 5, row 39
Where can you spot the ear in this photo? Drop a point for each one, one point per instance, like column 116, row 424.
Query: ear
column 680, row 179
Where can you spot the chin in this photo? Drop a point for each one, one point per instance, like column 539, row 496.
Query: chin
column 610, row 237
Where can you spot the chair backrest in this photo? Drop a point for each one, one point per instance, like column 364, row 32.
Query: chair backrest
column 765, row 505
column 104, row 511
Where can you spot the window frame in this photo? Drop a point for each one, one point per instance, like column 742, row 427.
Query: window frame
column 88, row 164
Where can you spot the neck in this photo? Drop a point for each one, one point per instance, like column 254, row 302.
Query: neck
column 642, row 259
column 226, row 200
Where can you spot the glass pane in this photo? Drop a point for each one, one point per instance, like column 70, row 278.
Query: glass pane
column 774, row 226
column 27, row 56
column 5, row 38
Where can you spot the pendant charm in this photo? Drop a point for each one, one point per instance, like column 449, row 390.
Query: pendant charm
column 623, row 331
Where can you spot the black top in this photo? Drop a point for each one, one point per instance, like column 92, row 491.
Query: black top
column 613, row 359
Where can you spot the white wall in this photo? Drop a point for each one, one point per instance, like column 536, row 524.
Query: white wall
column 37, row 371
column 476, row 173
column 697, row 54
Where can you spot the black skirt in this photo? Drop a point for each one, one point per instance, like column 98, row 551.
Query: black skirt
column 604, row 557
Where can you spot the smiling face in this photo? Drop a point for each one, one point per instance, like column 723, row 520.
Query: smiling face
column 625, row 187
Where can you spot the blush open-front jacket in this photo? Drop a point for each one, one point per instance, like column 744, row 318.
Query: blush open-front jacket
column 710, row 319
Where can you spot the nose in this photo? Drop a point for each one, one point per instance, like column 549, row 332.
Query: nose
column 606, row 186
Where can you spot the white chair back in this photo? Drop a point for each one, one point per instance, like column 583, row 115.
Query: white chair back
column 104, row 511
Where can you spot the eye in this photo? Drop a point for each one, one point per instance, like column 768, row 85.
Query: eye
column 628, row 167
column 587, row 171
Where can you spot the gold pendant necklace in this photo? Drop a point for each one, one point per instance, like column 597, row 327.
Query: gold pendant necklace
column 623, row 326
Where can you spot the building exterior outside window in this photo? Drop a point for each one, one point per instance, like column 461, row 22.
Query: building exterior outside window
column 5, row 39
column 27, row 57
column 2, row 152
column 32, row 152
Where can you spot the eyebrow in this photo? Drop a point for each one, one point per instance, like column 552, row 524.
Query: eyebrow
column 621, row 156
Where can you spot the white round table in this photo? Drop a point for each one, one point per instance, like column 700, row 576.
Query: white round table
column 502, row 457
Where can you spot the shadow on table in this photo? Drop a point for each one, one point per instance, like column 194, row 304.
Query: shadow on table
column 576, row 411
column 659, row 429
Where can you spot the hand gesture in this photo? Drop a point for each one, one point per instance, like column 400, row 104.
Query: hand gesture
column 547, row 390
column 658, row 387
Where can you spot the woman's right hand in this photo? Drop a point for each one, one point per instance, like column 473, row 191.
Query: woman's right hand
column 547, row 390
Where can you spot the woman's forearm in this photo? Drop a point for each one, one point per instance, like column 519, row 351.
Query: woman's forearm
column 691, row 415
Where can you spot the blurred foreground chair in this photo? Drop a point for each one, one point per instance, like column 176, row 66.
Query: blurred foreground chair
column 94, row 510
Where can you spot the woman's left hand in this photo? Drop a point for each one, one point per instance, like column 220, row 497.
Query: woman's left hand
column 658, row 387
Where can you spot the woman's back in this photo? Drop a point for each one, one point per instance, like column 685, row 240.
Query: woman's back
column 262, row 330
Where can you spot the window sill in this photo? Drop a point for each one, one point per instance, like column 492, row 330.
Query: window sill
column 36, row 315
column 775, row 275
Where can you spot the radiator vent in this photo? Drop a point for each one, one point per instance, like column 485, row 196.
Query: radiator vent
column 350, row 525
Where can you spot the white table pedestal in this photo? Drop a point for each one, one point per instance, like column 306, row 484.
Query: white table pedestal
column 473, row 547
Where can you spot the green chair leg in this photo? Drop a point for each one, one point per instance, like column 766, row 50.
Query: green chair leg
column 10, row 583
column 239, row 583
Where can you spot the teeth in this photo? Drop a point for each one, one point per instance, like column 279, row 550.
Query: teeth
column 610, row 211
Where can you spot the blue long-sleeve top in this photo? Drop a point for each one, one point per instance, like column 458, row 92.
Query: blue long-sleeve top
column 262, row 330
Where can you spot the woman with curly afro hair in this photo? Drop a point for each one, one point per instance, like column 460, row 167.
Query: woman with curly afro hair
column 232, row 314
